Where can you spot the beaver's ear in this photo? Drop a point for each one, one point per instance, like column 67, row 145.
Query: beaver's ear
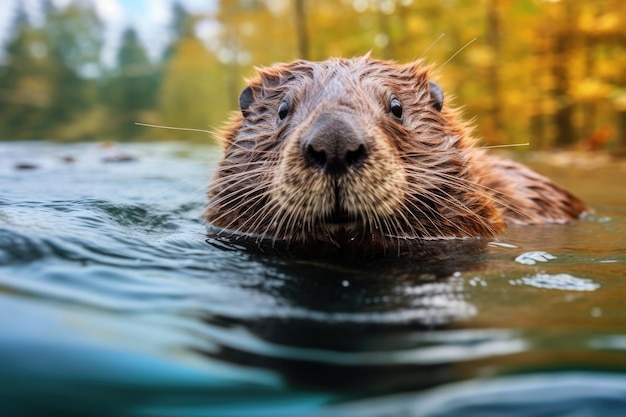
column 246, row 98
column 436, row 95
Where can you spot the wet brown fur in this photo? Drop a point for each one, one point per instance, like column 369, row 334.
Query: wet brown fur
column 423, row 178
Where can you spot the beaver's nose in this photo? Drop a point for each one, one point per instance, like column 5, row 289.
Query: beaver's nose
column 333, row 144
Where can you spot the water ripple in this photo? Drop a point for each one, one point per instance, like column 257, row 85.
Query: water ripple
column 106, row 281
column 564, row 282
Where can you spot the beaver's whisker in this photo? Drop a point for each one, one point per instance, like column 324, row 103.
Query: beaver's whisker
column 471, row 186
column 435, row 42
column 502, row 199
column 510, row 145
column 175, row 128
column 269, row 210
column 279, row 223
column 451, row 200
column 394, row 228
column 454, row 55
column 237, row 202
column 240, row 178
column 251, row 223
column 399, row 229
column 276, row 226
column 412, row 208
column 438, row 200
column 233, row 199
column 236, row 180
column 273, row 228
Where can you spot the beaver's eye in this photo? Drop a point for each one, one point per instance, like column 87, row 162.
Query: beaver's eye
column 283, row 110
column 396, row 108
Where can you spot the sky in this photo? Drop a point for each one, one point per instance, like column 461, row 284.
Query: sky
column 150, row 17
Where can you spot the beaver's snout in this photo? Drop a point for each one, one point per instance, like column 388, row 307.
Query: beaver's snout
column 334, row 144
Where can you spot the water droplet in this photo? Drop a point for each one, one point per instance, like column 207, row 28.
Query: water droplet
column 502, row 245
column 531, row 258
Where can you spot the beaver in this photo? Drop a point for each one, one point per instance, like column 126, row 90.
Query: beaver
column 366, row 153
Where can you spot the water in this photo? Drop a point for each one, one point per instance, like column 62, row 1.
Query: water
column 113, row 303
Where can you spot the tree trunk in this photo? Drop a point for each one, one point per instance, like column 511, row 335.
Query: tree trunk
column 538, row 120
column 494, row 82
column 301, row 29
column 563, row 117
column 563, row 40
column 383, row 29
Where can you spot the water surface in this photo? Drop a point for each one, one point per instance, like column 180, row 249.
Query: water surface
column 113, row 303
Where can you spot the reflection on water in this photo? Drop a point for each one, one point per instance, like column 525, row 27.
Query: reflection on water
column 381, row 329
column 113, row 303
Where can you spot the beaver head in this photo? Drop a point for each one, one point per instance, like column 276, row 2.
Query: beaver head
column 351, row 152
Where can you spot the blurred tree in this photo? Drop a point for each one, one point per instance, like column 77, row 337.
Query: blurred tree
column 131, row 92
column 549, row 72
column 579, row 48
column 302, row 28
column 74, row 35
column 24, row 93
column 43, row 92
column 564, row 40
column 258, row 32
column 194, row 92
column 74, row 40
column 182, row 26
column 603, row 23
column 494, row 36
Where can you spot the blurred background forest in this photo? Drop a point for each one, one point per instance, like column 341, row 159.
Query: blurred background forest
column 548, row 72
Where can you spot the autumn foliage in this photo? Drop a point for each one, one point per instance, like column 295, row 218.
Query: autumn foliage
column 548, row 72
